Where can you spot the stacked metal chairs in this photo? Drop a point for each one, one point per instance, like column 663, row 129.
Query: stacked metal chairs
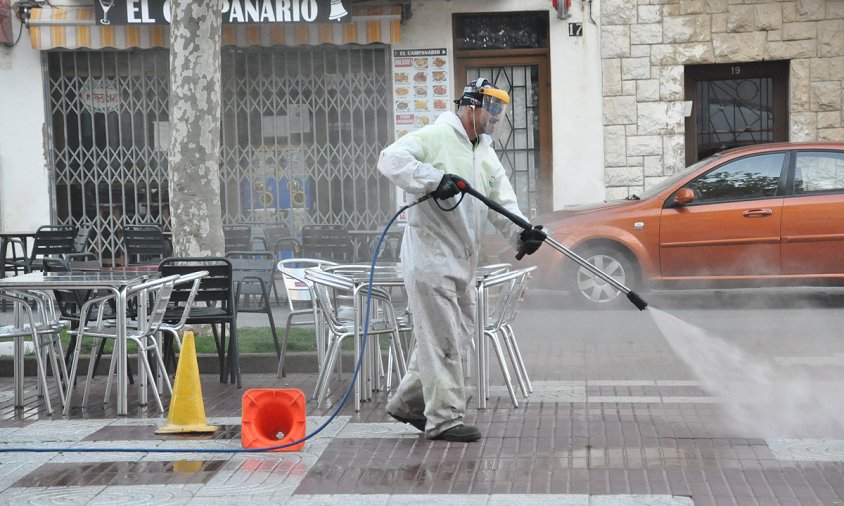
column 397, row 297
column 503, row 292
column 341, row 323
column 301, row 301
column 142, row 332
column 37, row 320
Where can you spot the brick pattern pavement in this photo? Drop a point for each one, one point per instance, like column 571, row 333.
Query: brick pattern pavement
column 613, row 420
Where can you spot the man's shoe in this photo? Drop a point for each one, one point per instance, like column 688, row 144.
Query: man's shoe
column 459, row 434
column 419, row 423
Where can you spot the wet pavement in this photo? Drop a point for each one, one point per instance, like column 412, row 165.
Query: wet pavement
column 615, row 419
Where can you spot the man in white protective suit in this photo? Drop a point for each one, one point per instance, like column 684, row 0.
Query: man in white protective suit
column 440, row 250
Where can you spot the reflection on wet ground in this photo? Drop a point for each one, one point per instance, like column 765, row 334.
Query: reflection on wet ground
column 107, row 473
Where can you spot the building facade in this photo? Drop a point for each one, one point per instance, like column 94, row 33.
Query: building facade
column 609, row 97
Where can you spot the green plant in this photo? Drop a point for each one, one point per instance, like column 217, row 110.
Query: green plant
column 250, row 340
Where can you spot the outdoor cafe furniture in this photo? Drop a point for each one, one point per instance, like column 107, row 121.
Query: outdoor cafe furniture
column 43, row 328
column 497, row 319
column 328, row 287
column 279, row 240
column 301, row 302
column 501, row 295
column 142, row 333
column 117, row 283
column 145, row 244
column 212, row 304
column 13, row 250
column 82, row 238
column 364, row 242
column 237, row 237
column 252, row 277
column 327, row 242
column 50, row 241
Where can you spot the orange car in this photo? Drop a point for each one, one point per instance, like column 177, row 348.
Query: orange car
column 768, row 214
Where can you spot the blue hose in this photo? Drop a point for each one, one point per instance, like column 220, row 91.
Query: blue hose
column 268, row 448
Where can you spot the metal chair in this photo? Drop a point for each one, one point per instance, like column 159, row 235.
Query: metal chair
column 502, row 293
column 44, row 331
column 145, row 244
column 252, row 277
column 301, row 301
column 279, row 240
column 237, row 237
column 217, row 294
column 83, row 237
column 15, row 262
column 341, row 323
column 509, row 336
column 146, row 325
column 69, row 302
column 172, row 328
column 50, row 241
column 327, row 242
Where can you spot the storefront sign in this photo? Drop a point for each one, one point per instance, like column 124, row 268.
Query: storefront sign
column 100, row 95
column 157, row 12
column 420, row 87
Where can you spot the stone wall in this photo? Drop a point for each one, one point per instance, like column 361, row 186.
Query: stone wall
column 646, row 43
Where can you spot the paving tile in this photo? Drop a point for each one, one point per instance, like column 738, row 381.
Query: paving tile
column 117, row 473
column 604, row 427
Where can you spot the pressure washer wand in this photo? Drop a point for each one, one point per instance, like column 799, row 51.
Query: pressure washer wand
column 632, row 296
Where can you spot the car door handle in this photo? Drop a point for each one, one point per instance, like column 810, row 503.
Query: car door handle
column 757, row 213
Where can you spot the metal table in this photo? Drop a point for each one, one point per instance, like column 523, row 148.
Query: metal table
column 116, row 282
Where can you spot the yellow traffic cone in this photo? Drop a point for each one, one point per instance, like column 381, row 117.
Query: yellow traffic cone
column 187, row 411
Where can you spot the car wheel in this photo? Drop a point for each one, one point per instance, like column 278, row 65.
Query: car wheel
column 589, row 290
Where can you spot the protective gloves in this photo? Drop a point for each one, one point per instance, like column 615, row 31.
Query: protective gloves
column 448, row 186
column 531, row 240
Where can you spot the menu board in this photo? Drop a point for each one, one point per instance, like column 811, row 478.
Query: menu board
column 420, row 87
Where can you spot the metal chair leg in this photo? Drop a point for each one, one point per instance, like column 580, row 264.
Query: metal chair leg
column 516, row 369
column 509, row 384
column 521, row 363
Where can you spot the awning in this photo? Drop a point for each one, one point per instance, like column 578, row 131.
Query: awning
column 74, row 28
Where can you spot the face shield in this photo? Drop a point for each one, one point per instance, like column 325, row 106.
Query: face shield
column 494, row 111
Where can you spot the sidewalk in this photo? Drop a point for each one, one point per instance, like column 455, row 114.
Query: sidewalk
column 611, row 421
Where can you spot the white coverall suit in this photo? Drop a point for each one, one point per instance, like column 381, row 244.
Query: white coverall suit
column 439, row 255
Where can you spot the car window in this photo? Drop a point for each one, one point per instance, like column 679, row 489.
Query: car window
column 818, row 172
column 746, row 178
column 671, row 180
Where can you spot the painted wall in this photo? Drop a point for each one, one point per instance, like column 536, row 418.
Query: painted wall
column 577, row 156
column 24, row 179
